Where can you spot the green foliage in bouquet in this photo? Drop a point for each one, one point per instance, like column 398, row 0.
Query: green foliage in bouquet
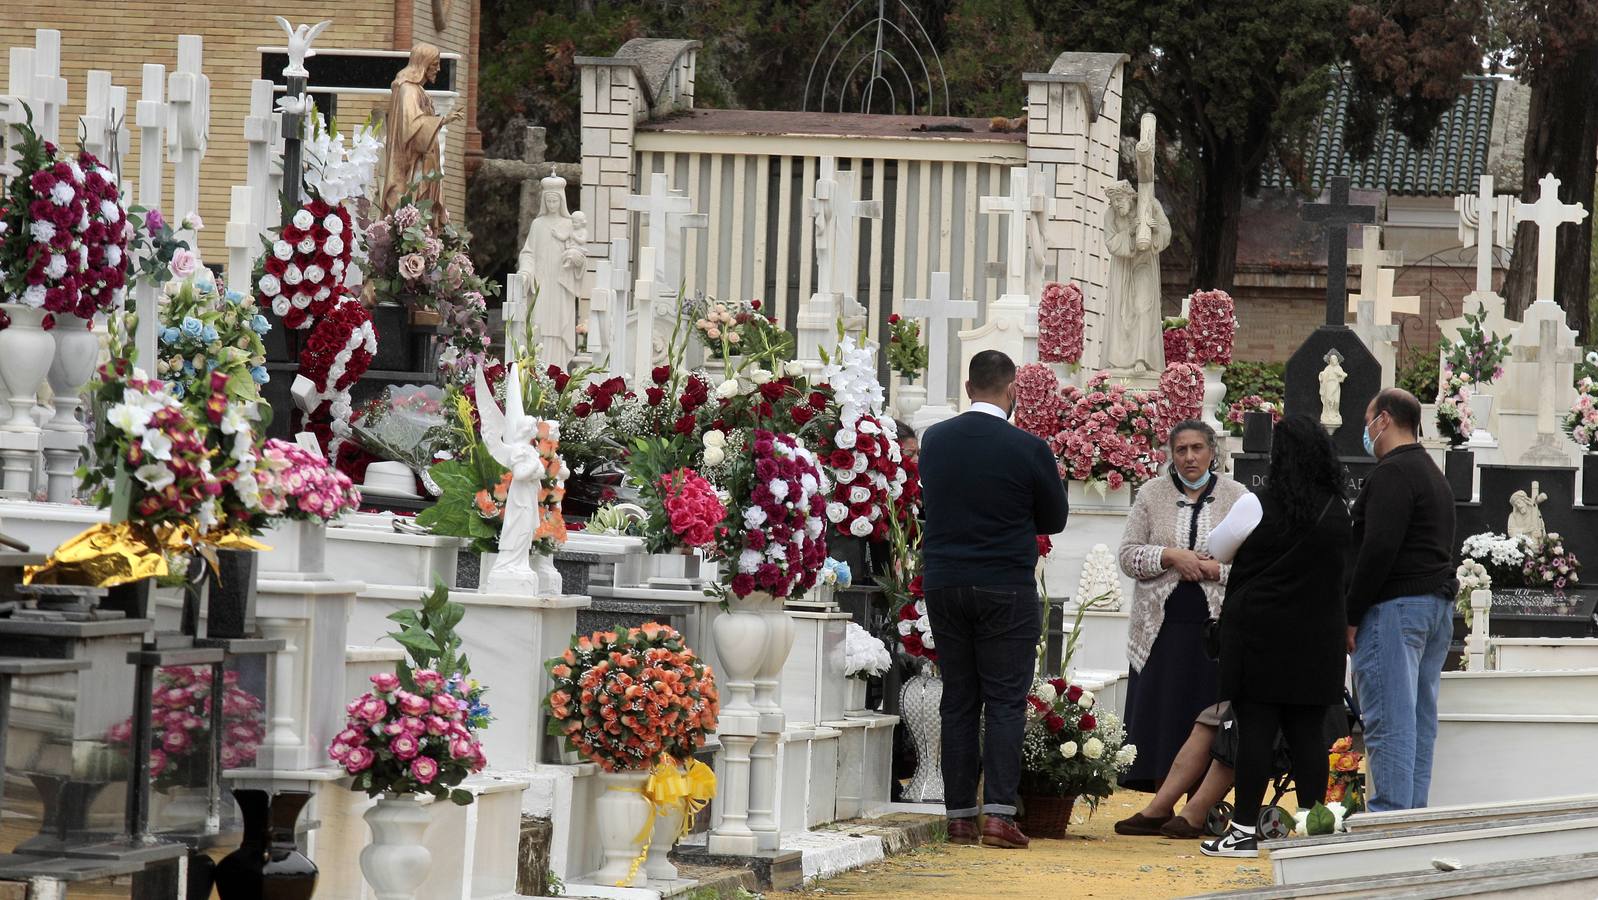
column 906, row 354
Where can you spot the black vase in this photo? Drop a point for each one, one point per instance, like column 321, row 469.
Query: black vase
column 268, row 865
column 1460, row 468
column 1589, row 479
column 231, row 605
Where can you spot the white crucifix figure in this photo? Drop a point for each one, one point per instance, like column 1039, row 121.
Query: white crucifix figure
column 1485, row 220
column 1548, row 214
column 665, row 211
column 835, row 209
column 1018, row 205
column 1548, row 355
column 189, row 96
column 938, row 311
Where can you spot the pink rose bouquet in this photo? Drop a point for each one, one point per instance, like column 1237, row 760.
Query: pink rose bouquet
column 1060, row 323
column 1112, row 434
column 1181, row 394
column 1039, row 406
column 180, row 743
column 1252, row 403
column 692, row 508
column 1581, row 423
column 409, row 738
column 297, row 484
column 1211, row 327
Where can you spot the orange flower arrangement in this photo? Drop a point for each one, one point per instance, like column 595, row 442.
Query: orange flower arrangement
column 1345, row 783
column 628, row 700
column 552, row 490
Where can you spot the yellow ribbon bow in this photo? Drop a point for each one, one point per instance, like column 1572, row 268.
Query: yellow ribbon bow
column 669, row 786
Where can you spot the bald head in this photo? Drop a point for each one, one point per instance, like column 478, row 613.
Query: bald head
column 1392, row 419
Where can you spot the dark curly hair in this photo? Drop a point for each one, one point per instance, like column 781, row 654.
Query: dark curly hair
column 1304, row 469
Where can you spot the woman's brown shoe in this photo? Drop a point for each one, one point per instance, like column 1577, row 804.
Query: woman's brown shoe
column 1181, row 829
column 1140, row 825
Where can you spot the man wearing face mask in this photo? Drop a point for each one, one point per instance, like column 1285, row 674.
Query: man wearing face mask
column 1400, row 601
column 989, row 490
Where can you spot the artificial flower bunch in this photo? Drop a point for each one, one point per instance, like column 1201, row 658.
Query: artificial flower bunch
column 732, row 328
column 915, row 629
column 1581, row 423
column 403, row 739
column 1113, row 435
column 407, row 423
column 1060, row 324
column 154, row 245
column 206, row 330
column 1252, row 403
column 104, row 282
column 1070, row 747
column 835, row 574
column 150, row 452
column 1475, row 352
column 180, row 718
column 1039, row 405
column 302, row 274
column 1549, row 565
column 338, row 351
column 335, row 172
column 1454, row 419
column 1181, row 393
column 906, row 354
column 43, row 228
column 297, row 484
column 1345, row 783
column 772, row 538
column 551, row 530
column 692, row 509
column 1522, row 561
column 1211, row 329
column 1177, row 342
column 864, row 654
column 629, row 699
column 866, row 465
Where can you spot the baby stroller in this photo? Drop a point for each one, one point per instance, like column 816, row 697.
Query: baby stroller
column 1274, row 822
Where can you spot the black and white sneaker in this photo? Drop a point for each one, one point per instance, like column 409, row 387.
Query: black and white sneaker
column 1235, row 843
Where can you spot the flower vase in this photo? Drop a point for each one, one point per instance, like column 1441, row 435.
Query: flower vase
column 268, row 862
column 299, row 549
column 779, row 641
column 854, row 703
column 182, row 807
column 549, row 579
column 919, row 702
column 740, row 638
column 1589, row 479
column 396, row 861
column 77, row 349
column 230, row 607
column 26, row 351
column 1214, row 396
column 1098, row 496
column 1481, row 411
column 622, row 815
column 1046, row 816
column 668, row 827
column 909, row 399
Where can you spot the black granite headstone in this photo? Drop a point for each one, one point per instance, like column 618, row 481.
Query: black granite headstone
column 1303, row 393
column 1460, row 468
column 1258, row 428
column 1576, row 525
column 1252, row 470
column 1589, row 480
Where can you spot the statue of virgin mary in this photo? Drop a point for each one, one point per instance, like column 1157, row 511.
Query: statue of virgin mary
column 554, row 259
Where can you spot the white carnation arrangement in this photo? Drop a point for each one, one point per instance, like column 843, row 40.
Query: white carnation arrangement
column 1100, row 580
column 864, row 654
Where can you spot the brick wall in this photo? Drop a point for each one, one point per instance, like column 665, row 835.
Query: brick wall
column 123, row 36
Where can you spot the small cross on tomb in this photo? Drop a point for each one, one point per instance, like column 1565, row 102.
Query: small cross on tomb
column 1337, row 214
column 151, row 117
column 49, row 88
column 1548, row 213
column 189, row 97
column 666, row 211
column 261, row 137
column 834, row 208
column 1548, row 356
column 1373, row 258
column 938, row 311
column 242, row 239
column 1486, row 220
column 1020, row 204
column 607, row 309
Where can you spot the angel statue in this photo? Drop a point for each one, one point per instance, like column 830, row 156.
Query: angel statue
column 300, row 40
column 509, row 437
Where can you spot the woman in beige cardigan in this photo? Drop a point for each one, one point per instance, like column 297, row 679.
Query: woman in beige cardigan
column 1179, row 588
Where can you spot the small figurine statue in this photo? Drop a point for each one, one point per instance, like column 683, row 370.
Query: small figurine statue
column 300, row 40
column 1332, row 378
column 1525, row 514
column 510, row 436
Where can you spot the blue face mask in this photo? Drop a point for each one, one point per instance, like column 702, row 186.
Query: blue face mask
column 1368, row 441
column 1194, row 485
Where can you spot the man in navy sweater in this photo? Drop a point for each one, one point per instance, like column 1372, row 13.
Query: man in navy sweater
column 989, row 489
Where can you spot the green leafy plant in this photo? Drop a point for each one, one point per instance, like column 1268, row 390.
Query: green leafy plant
column 429, row 638
column 1475, row 352
column 1261, row 379
column 906, row 354
column 1420, row 373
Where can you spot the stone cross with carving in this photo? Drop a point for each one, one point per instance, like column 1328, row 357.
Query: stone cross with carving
column 665, row 211
column 1548, row 356
column 1548, row 213
column 1337, row 214
column 840, row 192
column 1488, row 221
column 1020, row 204
column 939, row 310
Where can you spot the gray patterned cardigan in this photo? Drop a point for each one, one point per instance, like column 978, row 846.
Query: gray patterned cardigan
column 1156, row 523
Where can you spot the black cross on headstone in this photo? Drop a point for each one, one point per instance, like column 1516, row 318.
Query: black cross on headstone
column 1337, row 214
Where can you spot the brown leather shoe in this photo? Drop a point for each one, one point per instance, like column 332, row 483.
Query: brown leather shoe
column 964, row 831
column 998, row 831
column 1139, row 825
column 1181, row 829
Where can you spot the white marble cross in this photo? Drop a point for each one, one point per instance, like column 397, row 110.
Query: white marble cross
column 1548, row 213
column 1382, row 295
column 1548, row 355
column 1487, row 220
column 242, row 239
column 938, row 311
column 151, row 116
column 261, row 135
column 667, row 213
column 1371, row 258
column 189, row 97
column 35, row 87
column 100, row 126
column 1378, row 336
column 514, row 312
column 1019, row 204
column 607, row 309
column 836, row 203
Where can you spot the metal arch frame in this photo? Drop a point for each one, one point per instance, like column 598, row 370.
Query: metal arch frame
column 876, row 54
column 1414, row 329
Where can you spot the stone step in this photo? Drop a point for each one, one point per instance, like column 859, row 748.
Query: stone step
column 1299, row 861
column 1549, row 754
column 1545, row 654
column 1573, row 877
column 1565, row 693
column 1468, row 813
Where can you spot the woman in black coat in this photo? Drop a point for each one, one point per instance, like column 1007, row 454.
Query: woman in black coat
column 1284, row 634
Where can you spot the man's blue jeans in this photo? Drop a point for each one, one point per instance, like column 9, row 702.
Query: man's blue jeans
column 1398, row 666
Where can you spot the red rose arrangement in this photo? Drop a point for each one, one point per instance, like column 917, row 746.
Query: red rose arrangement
column 105, row 279
column 692, row 507
column 43, row 257
column 629, row 700
column 336, row 354
column 1181, row 394
column 915, row 629
column 301, row 274
column 1068, row 747
column 1060, row 323
column 1178, row 344
column 1112, row 434
column 773, row 538
column 868, row 475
